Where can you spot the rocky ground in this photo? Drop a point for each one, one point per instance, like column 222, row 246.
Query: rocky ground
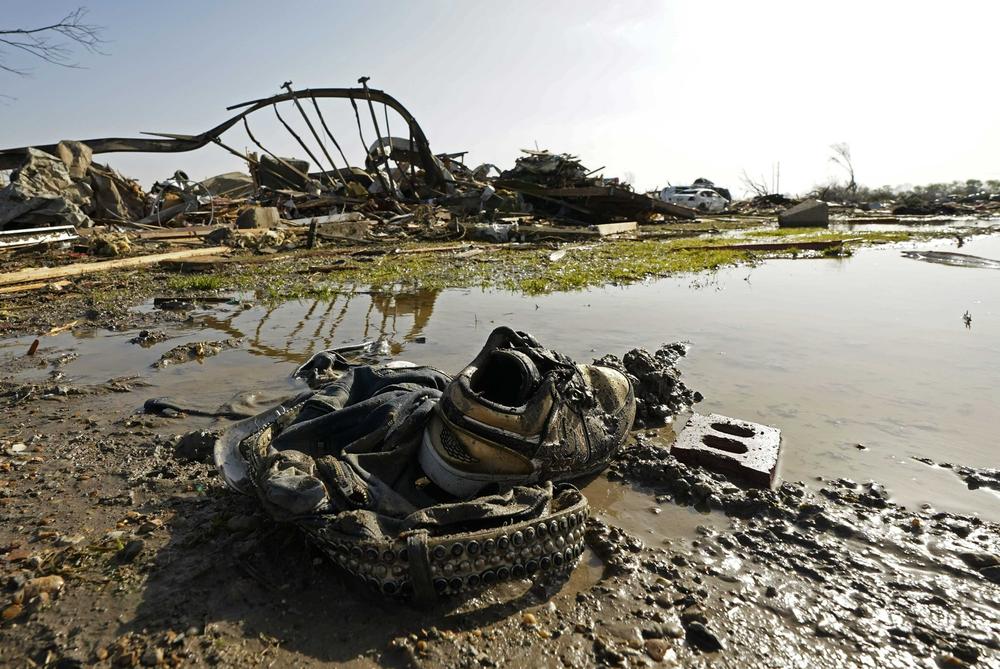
column 120, row 546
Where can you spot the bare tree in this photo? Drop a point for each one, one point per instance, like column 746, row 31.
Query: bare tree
column 842, row 156
column 52, row 43
column 758, row 188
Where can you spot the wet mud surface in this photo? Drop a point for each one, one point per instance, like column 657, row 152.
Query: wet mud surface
column 119, row 545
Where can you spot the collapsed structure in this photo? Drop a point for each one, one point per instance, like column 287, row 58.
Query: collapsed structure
column 60, row 185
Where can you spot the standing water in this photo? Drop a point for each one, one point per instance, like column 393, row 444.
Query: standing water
column 864, row 363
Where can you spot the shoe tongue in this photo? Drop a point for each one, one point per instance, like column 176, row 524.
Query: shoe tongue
column 521, row 375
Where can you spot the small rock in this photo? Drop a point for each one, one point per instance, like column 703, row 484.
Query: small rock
column 150, row 526
column 702, row 638
column 966, row 653
column 657, row 649
column 529, row 619
column 11, row 612
column 672, row 628
column 693, row 613
column 130, row 551
column 629, row 634
column 18, row 554
column 16, row 581
column 43, row 584
column 152, row 657
column 197, row 446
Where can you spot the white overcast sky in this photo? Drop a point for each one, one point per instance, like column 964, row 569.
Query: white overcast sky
column 661, row 91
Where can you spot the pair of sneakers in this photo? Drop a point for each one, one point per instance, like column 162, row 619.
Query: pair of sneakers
column 520, row 414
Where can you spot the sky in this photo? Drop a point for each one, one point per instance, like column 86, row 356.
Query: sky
column 655, row 92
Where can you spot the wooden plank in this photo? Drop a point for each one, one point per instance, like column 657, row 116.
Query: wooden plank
column 25, row 287
column 193, row 231
column 76, row 269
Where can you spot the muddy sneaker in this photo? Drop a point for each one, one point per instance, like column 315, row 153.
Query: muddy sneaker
column 520, row 414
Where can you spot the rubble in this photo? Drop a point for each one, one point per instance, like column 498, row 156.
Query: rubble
column 198, row 350
column 809, row 213
column 403, row 191
column 42, row 192
column 558, row 185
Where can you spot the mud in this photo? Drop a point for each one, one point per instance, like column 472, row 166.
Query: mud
column 659, row 392
column 162, row 565
column 974, row 477
column 158, row 560
column 198, row 350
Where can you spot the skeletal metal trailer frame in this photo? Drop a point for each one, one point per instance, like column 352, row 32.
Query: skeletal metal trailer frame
column 176, row 143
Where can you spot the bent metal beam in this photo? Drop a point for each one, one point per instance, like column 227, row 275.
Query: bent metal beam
column 175, row 143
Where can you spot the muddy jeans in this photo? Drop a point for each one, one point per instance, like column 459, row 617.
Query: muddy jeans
column 348, row 456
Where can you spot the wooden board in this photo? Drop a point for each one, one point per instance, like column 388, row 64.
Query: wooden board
column 25, row 287
column 48, row 273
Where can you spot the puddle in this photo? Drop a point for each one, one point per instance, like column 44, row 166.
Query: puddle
column 864, row 363
column 934, row 224
column 616, row 504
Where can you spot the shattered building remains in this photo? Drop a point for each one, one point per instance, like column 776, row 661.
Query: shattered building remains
column 403, row 187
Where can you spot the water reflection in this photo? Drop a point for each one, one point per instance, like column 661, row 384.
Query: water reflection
column 293, row 331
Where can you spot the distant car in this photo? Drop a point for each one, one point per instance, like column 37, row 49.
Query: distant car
column 702, row 199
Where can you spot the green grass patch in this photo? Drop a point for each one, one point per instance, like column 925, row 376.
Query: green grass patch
column 584, row 265
column 188, row 282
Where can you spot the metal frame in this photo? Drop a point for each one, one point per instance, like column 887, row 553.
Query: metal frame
column 176, row 143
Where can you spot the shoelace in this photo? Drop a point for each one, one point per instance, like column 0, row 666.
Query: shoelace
column 573, row 390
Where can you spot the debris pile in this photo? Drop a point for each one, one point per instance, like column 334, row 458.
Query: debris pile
column 557, row 185
column 551, row 170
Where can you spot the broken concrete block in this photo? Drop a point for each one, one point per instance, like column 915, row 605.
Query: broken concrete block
column 344, row 229
column 806, row 214
column 258, row 217
column 349, row 226
column 330, row 218
column 605, row 229
column 738, row 449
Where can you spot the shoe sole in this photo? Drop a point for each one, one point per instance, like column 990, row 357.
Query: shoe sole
column 455, row 481
column 465, row 484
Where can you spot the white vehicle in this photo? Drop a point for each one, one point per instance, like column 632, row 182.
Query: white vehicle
column 702, row 199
